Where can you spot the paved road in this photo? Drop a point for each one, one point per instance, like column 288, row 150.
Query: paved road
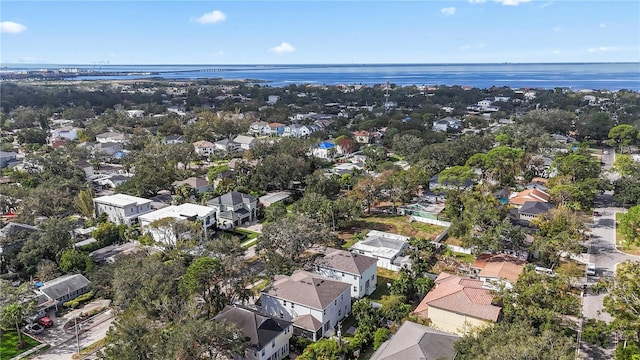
column 65, row 351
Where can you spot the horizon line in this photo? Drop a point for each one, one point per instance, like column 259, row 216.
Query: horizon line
column 323, row 64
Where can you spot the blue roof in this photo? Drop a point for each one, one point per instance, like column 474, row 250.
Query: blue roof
column 326, row 145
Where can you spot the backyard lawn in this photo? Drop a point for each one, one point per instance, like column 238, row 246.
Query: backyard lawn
column 393, row 224
column 9, row 344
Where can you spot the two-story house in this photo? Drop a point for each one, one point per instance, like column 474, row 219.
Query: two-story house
column 274, row 129
column 122, row 209
column 349, row 267
column 313, row 303
column 111, row 136
column 204, row 148
column 292, row 130
column 388, row 248
column 257, row 127
column 234, row 208
column 245, row 142
column 180, row 213
column 268, row 337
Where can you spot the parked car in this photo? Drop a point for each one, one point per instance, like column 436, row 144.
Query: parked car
column 595, row 213
column 34, row 329
column 591, row 269
column 45, row 321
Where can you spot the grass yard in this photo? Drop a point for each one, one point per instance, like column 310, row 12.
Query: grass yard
column 393, row 224
column 384, row 277
column 9, row 344
column 629, row 249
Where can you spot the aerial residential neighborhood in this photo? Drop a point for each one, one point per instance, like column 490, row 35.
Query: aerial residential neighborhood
column 258, row 222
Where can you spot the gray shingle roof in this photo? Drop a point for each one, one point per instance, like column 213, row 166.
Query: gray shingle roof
column 535, row 207
column 415, row 341
column 346, row 261
column 232, row 198
column 307, row 289
column 59, row 287
column 260, row 329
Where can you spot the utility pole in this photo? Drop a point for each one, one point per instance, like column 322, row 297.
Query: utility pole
column 77, row 337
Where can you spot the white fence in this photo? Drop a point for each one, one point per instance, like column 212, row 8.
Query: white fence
column 429, row 221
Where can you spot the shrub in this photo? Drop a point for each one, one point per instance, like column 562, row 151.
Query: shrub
column 381, row 335
column 79, row 300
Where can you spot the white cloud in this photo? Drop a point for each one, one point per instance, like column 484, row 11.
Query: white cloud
column 477, row 1
column 556, row 52
column 557, row 29
column 285, row 47
column 11, row 27
column 211, row 17
column 546, row 4
column 512, row 2
column 602, row 49
column 464, row 47
column 448, row 10
column 603, row 25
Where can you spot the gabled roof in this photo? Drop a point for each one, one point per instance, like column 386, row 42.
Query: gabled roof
column 276, row 125
column 535, row 208
column 232, row 198
column 243, row 139
column 499, row 266
column 415, row 341
column 307, row 289
column 307, row 322
column 225, row 142
column 260, row 329
column 195, row 182
column 460, row 295
column 529, row 195
column 12, row 229
column 346, row 261
column 203, row 144
column 63, row 285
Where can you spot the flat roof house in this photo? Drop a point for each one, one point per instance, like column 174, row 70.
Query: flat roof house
column 121, row 208
column 388, row 248
column 180, row 213
column 349, row 267
column 268, row 336
column 314, row 304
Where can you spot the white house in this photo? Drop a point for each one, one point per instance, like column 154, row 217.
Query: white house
column 180, row 213
column 388, row 248
column 245, row 142
column 204, row 148
column 68, row 133
column 272, row 99
column 122, row 209
column 349, row 267
column 135, row 113
column 313, row 303
column 226, row 145
column 325, row 150
column 59, row 290
column 268, row 337
column 111, row 137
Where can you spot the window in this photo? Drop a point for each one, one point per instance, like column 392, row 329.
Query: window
column 324, row 312
column 355, row 288
column 335, row 302
column 273, row 344
column 284, row 302
column 355, row 277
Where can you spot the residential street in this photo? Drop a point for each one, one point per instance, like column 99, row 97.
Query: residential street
column 65, row 351
column 603, row 253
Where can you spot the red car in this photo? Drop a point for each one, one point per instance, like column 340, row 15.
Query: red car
column 595, row 213
column 45, row 321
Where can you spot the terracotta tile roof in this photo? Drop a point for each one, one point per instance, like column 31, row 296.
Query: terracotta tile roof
column 529, row 195
column 499, row 266
column 460, row 295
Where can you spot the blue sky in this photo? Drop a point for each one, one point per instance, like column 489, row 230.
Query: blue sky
column 312, row 32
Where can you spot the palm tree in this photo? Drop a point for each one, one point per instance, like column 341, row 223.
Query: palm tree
column 13, row 315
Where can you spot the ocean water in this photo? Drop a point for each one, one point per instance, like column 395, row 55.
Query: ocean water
column 605, row 76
